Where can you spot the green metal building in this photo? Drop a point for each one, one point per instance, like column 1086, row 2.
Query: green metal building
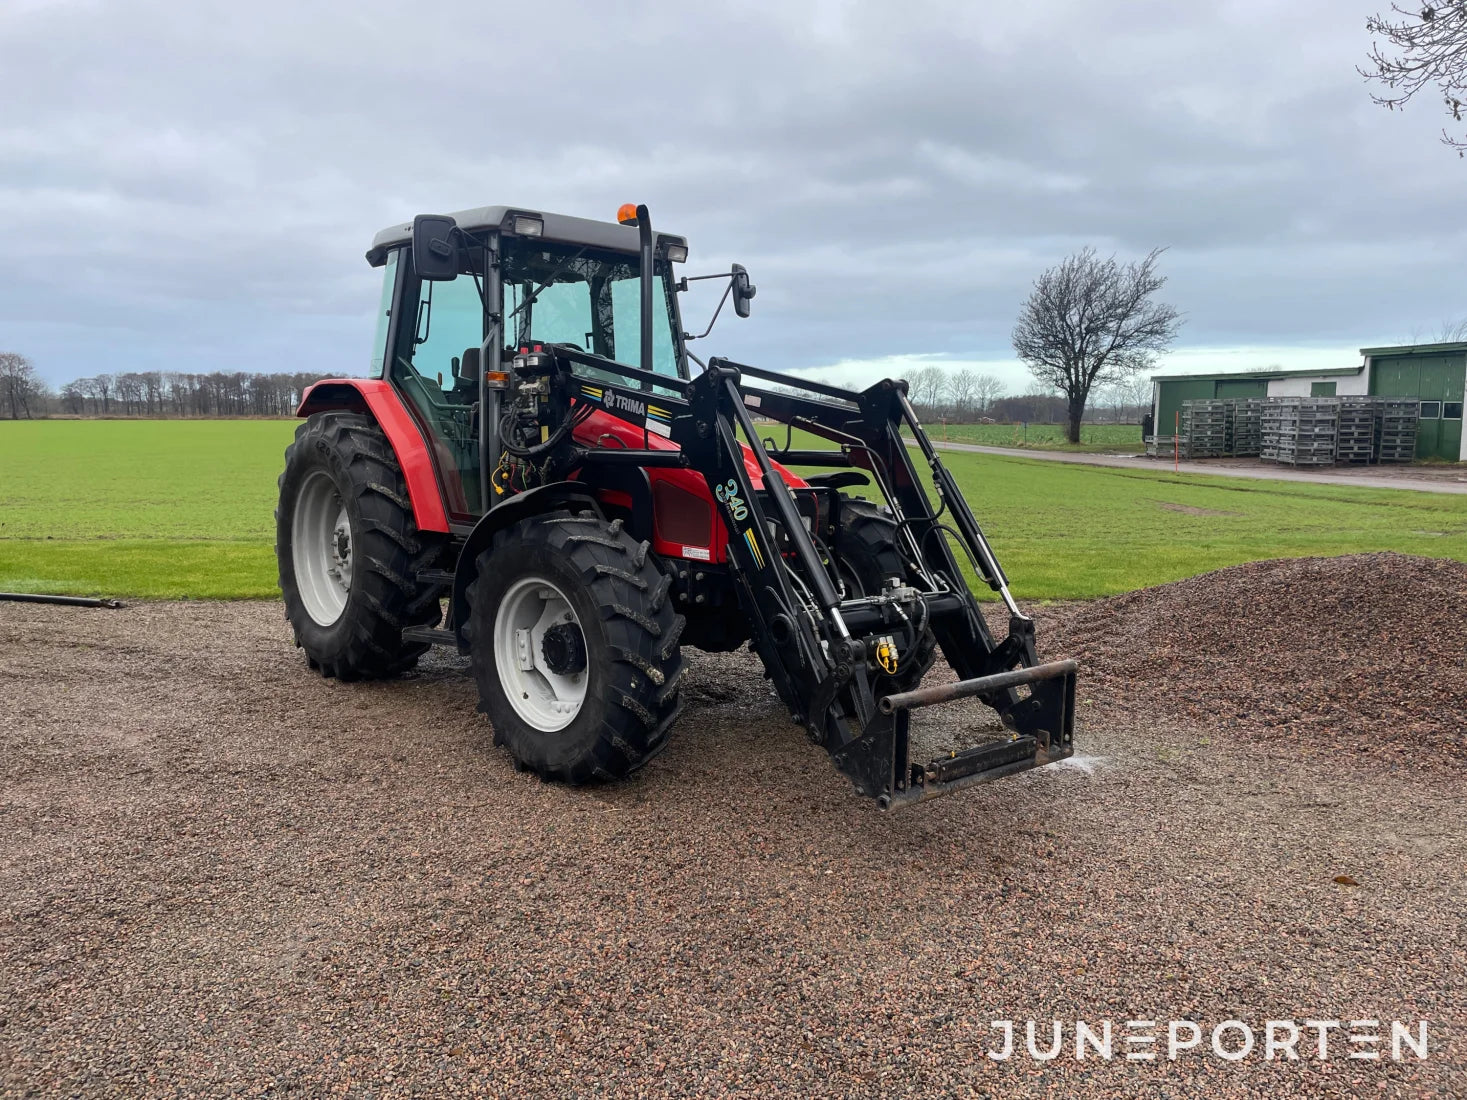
column 1435, row 374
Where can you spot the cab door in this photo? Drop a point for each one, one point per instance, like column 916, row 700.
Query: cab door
column 435, row 366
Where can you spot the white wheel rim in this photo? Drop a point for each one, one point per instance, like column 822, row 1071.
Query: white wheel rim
column 321, row 548
column 543, row 698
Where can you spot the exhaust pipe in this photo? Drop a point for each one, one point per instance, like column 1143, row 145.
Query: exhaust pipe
column 644, row 232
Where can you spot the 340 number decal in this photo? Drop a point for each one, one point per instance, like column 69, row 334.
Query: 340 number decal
column 728, row 495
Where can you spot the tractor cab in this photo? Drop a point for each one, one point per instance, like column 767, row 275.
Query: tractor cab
column 509, row 280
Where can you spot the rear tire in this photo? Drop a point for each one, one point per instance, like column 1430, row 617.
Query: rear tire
column 574, row 645
column 349, row 551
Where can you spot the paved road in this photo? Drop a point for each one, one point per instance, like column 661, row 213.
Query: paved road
column 1446, row 483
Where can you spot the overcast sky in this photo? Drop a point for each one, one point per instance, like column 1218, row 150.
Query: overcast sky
column 192, row 185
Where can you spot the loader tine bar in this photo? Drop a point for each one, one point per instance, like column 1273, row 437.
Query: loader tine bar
column 980, row 685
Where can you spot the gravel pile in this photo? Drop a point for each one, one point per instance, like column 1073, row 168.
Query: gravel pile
column 222, row 875
column 1365, row 653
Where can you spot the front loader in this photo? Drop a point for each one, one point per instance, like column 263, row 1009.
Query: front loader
column 511, row 485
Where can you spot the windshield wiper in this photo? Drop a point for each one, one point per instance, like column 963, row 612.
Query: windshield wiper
column 557, row 273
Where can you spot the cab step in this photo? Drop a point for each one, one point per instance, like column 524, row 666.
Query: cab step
column 430, row 634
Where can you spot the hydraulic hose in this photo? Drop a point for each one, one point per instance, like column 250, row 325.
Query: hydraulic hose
column 65, row 601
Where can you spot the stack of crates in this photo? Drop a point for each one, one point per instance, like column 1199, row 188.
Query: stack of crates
column 1396, row 439
column 1355, row 434
column 1163, row 446
column 1205, row 427
column 1300, row 431
column 1247, row 426
column 1271, row 429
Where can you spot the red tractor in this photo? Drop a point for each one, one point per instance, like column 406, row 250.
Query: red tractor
column 507, row 483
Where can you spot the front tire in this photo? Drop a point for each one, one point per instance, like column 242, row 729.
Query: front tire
column 349, row 551
column 869, row 560
column 574, row 646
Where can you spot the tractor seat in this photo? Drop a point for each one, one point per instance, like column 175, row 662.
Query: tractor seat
column 467, row 371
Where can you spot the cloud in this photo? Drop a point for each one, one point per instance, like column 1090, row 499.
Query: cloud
column 192, row 186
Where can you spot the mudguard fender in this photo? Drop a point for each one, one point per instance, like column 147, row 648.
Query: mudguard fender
column 532, row 502
column 381, row 402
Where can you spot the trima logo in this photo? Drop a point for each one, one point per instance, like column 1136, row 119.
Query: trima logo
column 615, row 400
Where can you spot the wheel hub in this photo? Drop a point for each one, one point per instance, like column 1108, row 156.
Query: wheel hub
column 321, row 548
column 540, row 653
column 564, row 649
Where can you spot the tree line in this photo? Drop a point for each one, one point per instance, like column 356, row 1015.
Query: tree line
column 179, row 394
column 956, row 395
column 966, row 396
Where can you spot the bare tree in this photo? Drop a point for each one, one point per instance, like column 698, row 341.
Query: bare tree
column 961, row 387
column 1138, row 393
column 1089, row 322
column 987, row 390
column 152, row 390
column 1421, row 49
column 1452, row 332
column 20, row 386
column 74, row 397
column 129, row 390
column 926, row 385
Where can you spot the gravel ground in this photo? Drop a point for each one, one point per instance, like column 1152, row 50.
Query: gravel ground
column 1361, row 654
column 220, row 874
column 1446, row 472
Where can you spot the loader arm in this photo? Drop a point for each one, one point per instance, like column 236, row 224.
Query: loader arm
column 868, row 736
column 825, row 653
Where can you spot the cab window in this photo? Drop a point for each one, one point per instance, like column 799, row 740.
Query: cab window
column 384, row 317
column 590, row 298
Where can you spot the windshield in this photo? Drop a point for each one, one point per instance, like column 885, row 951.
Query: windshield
column 593, row 301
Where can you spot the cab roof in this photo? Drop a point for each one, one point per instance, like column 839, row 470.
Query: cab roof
column 558, row 227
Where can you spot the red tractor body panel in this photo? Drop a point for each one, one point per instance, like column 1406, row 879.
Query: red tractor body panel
column 379, row 399
column 685, row 522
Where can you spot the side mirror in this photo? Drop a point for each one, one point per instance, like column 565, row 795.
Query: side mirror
column 435, row 253
column 743, row 290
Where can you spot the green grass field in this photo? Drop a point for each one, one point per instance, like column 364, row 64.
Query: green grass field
column 140, row 507
column 170, row 509
column 1123, row 438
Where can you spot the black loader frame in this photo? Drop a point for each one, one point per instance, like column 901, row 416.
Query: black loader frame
column 825, row 653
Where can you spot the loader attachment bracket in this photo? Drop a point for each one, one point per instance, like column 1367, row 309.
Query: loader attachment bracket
column 1040, row 725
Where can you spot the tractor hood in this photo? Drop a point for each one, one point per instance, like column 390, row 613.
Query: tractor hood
column 601, row 430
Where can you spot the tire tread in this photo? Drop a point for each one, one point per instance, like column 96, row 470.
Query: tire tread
column 636, row 710
column 366, row 642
